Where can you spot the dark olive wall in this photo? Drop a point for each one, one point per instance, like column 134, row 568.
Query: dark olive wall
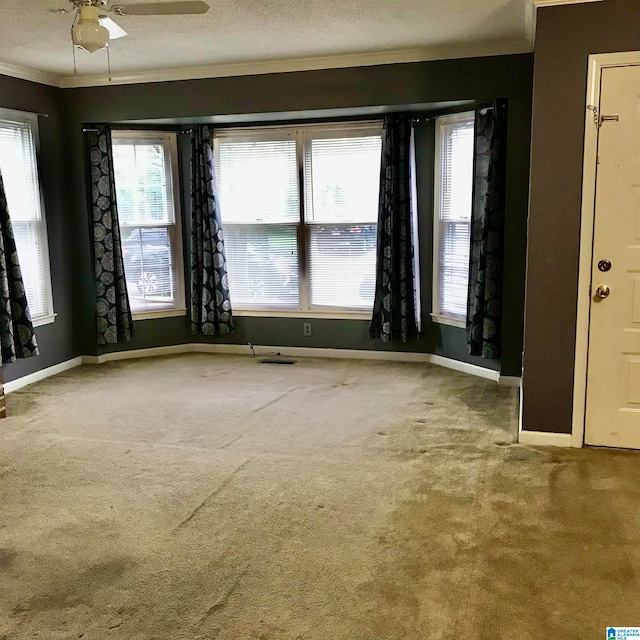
column 566, row 35
column 303, row 92
column 391, row 86
column 55, row 340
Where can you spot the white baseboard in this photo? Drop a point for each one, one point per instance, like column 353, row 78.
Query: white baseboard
column 134, row 354
column 359, row 354
column 509, row 381
column 542, row 439
column 464, row 367
column 14, row 385
column 243, row 349
column 313, row 352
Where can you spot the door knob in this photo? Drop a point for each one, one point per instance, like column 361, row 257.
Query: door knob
column 603, row 291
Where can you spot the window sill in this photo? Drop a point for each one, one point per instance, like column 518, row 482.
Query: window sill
column 449, row 320
column 159, row 313
column 283, row 313
column 42, row 320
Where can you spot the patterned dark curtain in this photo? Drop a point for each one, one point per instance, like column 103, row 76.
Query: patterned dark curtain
column 210, row 302
column 394, row 308
column 114, row 322
column 17, row 339
column 484, row 307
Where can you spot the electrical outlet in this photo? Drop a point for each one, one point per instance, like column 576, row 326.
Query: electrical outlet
column 306, row 329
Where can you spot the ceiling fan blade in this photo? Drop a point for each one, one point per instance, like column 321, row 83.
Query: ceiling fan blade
column 162, row 8
column 115, row 30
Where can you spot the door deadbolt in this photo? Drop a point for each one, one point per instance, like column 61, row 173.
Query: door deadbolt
column 604, row 265
column 603, row 291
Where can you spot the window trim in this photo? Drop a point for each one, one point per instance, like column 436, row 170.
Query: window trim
column 299, row 313
column 437, row 315
column 302, row 134
column 13, row 115
column 170, row 140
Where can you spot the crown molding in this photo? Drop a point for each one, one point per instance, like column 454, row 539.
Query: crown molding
column 532, row 10
column 341, row 61
column 552, row 3
column 422, row 54
column 33, row 75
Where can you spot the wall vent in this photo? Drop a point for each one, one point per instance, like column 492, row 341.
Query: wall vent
column 274, row 361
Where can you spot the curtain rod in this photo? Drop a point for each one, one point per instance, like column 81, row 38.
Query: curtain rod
column 25, row 112
column 430, row 118
column 89, row 130
column 190, row 129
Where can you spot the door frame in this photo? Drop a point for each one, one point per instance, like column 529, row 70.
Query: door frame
column 597, row 63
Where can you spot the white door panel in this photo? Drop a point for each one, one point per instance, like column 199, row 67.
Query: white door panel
column 613, row 381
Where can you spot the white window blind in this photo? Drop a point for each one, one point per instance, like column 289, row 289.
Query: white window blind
column 284, row 256
column 149, row 220
column 453, row 214
column 260, row 208
column 20, row 176
column 342, row 189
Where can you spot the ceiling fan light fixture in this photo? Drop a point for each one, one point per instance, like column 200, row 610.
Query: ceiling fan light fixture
column 88, row 33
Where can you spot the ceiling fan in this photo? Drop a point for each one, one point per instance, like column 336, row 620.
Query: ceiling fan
column 93, row 29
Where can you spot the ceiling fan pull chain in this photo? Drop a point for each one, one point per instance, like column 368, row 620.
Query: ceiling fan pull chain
column 73, row 48
column 108, row 60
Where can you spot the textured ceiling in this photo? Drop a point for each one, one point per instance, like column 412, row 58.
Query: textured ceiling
column 248, row 31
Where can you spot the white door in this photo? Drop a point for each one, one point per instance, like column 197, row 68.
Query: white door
column 613, row 380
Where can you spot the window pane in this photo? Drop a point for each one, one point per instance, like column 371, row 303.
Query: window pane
column 149, row 223
column 149, row 267
column 20, row 176
column 30, row 254
column 258, row 181
column 260, row 190
column 454, row 267
column 342, row 191
column 262, row 260
column 453, row 216
column 343, row 265
column 144, row 188
column 456, row 170
column 19, row 171
column 343, row 175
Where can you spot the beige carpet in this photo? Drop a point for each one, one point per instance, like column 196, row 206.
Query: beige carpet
column 209, row 497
